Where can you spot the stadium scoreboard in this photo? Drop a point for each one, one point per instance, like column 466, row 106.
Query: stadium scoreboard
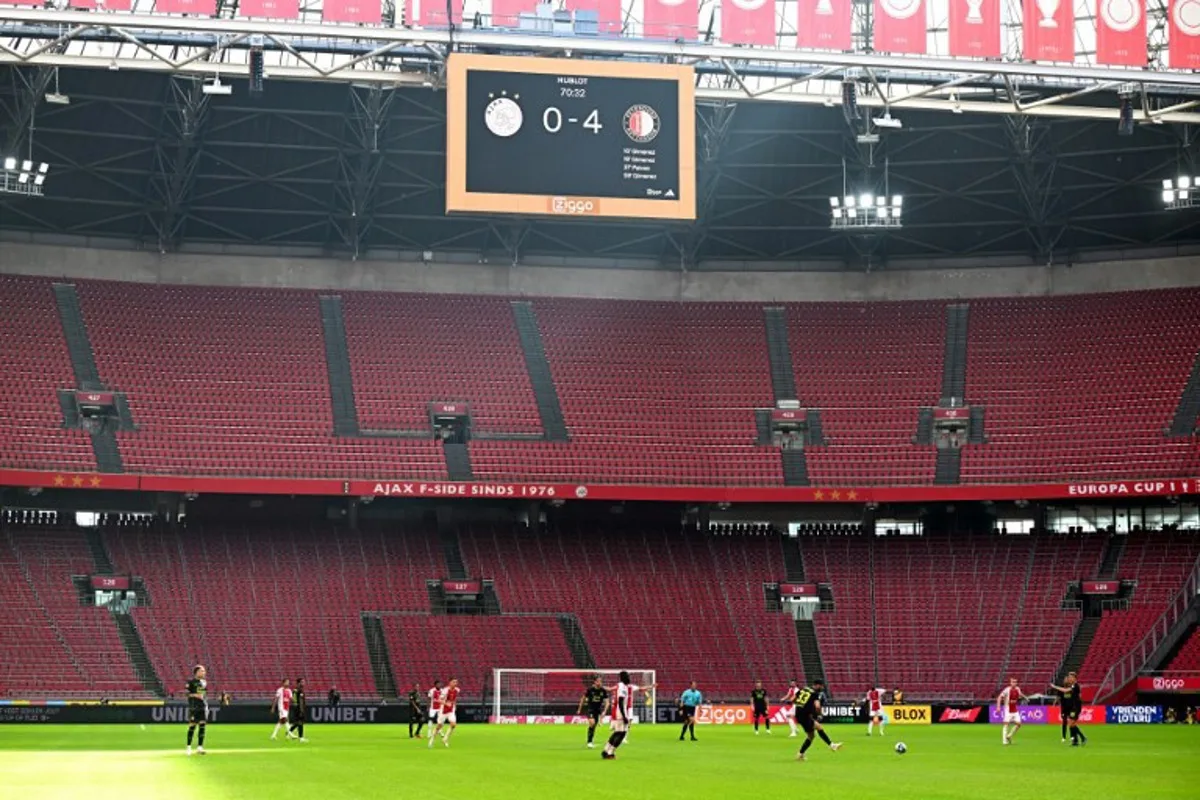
column 564, row 137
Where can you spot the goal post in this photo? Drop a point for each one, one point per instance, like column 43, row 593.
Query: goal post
column 552, row 695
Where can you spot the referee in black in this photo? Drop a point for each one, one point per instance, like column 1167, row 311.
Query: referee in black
column 416, row 712
column 596, row 700
column 298, row 711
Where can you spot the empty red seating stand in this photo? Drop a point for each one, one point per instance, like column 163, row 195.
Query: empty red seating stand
column 55, row 647
column 1081, row 387
column 689, row 605
column 945, row 616
column 1187, row 659
column 869, row 367
column 425, row 648
column 34, row 365
column 407, row 351
column 1159, row 562
column 231, row 382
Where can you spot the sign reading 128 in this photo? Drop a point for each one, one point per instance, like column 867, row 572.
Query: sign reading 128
column 504, row 117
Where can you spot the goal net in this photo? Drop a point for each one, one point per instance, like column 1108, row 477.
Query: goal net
column 552, row 695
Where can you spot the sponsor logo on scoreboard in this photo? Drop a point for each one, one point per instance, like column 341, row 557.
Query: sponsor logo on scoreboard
column 574, row 206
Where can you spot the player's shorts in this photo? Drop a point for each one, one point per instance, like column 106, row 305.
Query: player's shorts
column 433, row 715
column 1071, row 714
column 594, row 714
column 878, row 712
column 295, row 716
column 283, row 716
column 806, row 722
column 1011, row 717
column 197, row 713
column 618, row 725
column 689, row 711
column 452, row 718
column 760, row 712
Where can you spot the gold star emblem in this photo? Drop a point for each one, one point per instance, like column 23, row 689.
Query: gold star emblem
column 818, row 495
column 851, row 495
column 835, row 494
column 59, row 480
column 94, row 482
column 77, row 481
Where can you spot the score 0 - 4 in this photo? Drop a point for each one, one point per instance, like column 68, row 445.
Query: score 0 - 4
column 504, row 115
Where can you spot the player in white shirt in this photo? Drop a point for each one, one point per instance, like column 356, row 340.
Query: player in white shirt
column 789, row 707
column 1008, row 704
column 281, row 705
column 622, row 713
column 435, row 707
column 874, row 702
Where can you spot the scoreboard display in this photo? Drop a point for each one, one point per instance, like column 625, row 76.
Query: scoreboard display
column 563, row 137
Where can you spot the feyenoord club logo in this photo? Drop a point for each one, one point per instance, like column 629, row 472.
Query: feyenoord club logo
column 641, row 123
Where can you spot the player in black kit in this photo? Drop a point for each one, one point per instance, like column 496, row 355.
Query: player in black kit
column 596, row 700
column 298, row 711
column 808, row 713
column 197, row 697
column 416, row 712
column 758, row 701
column 1070, row 703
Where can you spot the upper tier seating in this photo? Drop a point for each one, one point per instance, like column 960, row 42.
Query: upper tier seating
column 34, row 365
column 1081, row 387
column 233, row 382
column 1187, row 659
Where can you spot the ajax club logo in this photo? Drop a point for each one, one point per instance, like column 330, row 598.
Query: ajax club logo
column 641, row 123
column 503, row 116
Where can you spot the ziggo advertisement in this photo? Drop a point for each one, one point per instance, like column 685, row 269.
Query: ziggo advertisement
column 777, row 713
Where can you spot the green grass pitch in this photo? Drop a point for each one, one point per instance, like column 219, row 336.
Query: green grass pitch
column 127, row 762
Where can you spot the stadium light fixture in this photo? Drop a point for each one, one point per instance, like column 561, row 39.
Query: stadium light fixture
column 865, row 210
column 23, row 177
column 1180, row 192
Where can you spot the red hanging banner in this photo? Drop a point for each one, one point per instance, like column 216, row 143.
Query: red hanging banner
column 824, row 24
column 975, row 28
column 430, row 13
column 608, row 12
column 109, row 5
column 671, row 19
column 507, row 13
column 748, row 22
column 359, row 12
column 1121, row 33
column 1184, row 49
column 900, row 26
column 205, row 8
column 269, row 9
column 1049, row 29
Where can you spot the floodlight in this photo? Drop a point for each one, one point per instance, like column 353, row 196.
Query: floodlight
column 866, row 200
column 850, row 201
column 1184, row 182
column 1168, row 196
column 833, row 202
column 865, row 210
column 26, row 166
column 10, row 163
column 43, row 168
column 897, row 200
column 1181, row 192
column 1167, row 183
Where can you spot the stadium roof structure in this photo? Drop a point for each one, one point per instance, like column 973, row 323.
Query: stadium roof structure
column 343, row 153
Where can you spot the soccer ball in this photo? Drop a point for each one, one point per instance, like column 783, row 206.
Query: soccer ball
column 900, row 748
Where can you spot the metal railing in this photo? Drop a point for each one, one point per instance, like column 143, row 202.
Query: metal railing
column 1128, row 666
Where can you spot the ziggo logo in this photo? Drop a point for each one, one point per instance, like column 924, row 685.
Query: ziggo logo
column 718, row 715
column 573, row 206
